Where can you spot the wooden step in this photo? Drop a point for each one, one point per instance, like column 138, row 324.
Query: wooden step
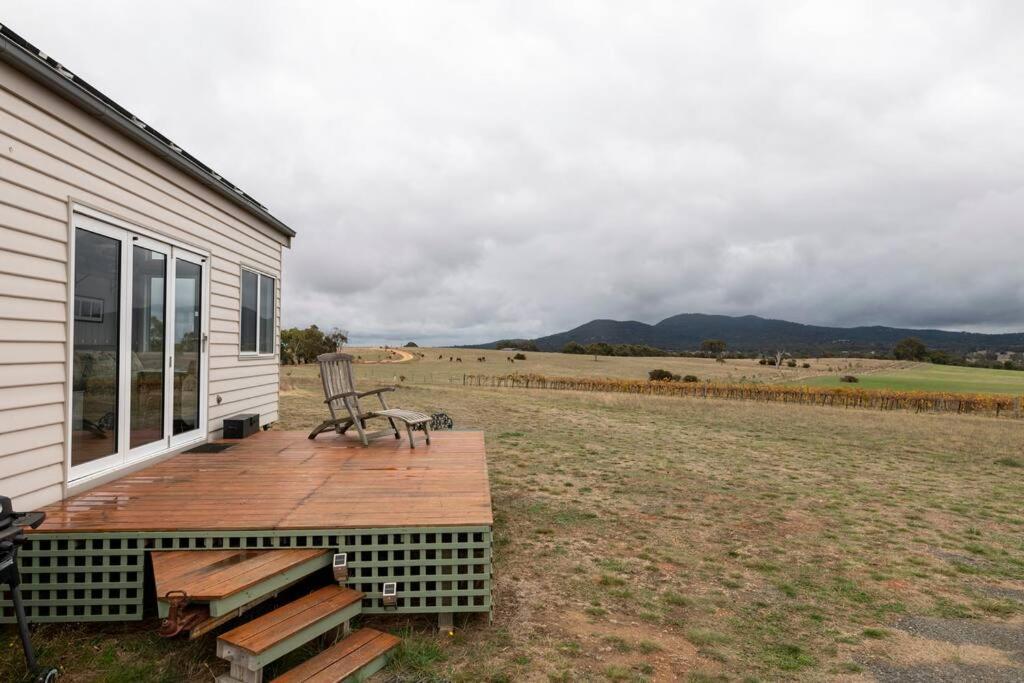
column 255, row 644
column 355, row 658
column 231, row 579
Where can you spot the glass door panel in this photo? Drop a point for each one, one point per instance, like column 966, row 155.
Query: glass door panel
column 148, row 354
column 96, row 354
column 189, row 345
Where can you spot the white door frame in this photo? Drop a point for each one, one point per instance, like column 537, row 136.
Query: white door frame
column 115, row 459
column 203, row 262
column 160, row 445
column 129, row 234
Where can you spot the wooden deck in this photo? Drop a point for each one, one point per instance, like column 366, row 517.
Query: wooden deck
column 283, row 481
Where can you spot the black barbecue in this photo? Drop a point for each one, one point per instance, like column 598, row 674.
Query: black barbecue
column 12, row 536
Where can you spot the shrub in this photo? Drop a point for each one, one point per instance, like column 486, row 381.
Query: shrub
column 770, row 361
column 411, row 345
column 763, row 361
column 849, row 378
column 806, row 365
column 520, row 356
column 660, row 375
column 791, row 363
column 690, row 378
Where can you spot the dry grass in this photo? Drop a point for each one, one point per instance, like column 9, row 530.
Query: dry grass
column 648, row 538
column 435, row 367
column 658, row 538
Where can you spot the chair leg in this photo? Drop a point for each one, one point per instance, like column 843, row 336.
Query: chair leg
column 408, row 428
column 362, row 433
column 323, row 427
column 426, row 432
column 398, row 435
column 359, row 424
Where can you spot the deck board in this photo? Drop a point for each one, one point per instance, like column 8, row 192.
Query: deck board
column 283, row 481
column 216, row 574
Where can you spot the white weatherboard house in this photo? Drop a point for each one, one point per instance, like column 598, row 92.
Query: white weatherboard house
column 139, row 290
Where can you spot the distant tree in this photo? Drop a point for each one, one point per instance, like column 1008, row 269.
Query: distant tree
column 573, row 347
column 910, row 348
column 939, row 358
column 411, row 345
column 691, row 378
column 517, row 344
column 779, row 355
column 599, row 349
column 520, row 356
column 304, row 345
column 338, row 337
column 713, row 347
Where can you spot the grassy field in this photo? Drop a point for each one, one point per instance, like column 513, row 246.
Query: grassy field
column 433, row 365
column 650, row 538
column 928, row 377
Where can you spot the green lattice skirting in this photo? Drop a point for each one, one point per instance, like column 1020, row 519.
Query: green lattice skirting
column 100, row 577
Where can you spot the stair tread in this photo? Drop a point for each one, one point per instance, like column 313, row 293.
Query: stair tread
column 341, row 659
column 216, row 574
column 267, row 630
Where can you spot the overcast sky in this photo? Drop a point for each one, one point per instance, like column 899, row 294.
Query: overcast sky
column 461, row 172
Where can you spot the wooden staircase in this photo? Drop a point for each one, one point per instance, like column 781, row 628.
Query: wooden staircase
column 355, row 658
column 222, row 584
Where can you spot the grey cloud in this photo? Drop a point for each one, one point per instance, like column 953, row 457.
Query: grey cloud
column 462, row 172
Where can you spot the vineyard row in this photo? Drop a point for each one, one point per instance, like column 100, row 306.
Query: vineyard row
column 846, row 397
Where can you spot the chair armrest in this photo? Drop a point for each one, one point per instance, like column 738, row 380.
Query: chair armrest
column 371, row 392
column 344, row 394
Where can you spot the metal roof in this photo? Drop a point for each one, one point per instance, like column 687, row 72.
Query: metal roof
column 29, row 59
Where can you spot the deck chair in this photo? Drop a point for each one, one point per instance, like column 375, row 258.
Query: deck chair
column 343, row 402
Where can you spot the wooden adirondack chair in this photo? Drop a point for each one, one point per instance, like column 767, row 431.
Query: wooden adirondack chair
column 343, row 401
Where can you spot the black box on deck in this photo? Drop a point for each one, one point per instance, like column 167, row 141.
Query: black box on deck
column 241, row 426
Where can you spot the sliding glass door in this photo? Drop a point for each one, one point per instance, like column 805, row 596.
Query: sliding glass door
column 139, row 345
column 189, row 340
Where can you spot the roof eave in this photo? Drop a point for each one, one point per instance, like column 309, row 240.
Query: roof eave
column 41, row 71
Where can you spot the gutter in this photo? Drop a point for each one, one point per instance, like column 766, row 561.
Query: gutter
column 31, row 61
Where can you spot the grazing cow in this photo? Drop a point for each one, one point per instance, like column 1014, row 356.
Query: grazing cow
column 458, row 360
column 451, row 359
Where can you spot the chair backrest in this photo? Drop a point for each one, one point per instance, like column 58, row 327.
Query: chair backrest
column 336, row 375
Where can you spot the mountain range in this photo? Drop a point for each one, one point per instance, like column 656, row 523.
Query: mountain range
column 750, row 333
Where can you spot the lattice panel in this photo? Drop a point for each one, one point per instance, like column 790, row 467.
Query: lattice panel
column 80, row 579
column 83, row 577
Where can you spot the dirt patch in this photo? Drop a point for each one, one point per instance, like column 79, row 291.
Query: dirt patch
column 666, row 651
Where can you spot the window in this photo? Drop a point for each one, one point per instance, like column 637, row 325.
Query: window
column 257, row 313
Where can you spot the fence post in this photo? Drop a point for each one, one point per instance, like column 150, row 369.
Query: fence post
column 1016, row 407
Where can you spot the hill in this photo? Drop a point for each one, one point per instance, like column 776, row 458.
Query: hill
column 750, row 333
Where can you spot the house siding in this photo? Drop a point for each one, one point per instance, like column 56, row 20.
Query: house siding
column 52, row 155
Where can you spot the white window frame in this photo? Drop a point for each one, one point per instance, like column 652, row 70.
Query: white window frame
column 259, row 299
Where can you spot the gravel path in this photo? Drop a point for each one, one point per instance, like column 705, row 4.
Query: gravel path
column 1007, row 638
